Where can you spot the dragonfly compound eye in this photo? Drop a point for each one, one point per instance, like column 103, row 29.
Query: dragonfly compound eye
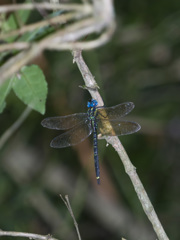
column 94, row 103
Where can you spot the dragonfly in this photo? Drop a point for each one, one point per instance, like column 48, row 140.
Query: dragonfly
column 105, row 121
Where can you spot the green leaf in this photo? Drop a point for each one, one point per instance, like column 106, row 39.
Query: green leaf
column 23, row 15
column 31, row 87
column 9, row 24
column 4, row 90
column 13, row 22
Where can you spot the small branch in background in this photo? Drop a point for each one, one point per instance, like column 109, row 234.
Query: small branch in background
column 116, row 144
column 27, row 235
column 68, row 205
column 9, row 132
column 16, row 45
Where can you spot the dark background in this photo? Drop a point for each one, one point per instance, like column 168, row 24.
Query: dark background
column 141, row 64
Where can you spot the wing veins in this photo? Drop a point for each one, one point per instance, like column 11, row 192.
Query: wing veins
column 115, row 112
column 64, row 122
column 117, row 128
column 73, row 136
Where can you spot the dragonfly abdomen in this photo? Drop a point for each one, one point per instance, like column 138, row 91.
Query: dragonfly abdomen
column 96, row 157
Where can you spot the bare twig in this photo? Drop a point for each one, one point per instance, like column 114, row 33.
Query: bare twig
column 9, row 132
column 68, row 205
column 27, row 235
column 87, row 76
column 16, row 45
column 116, row 144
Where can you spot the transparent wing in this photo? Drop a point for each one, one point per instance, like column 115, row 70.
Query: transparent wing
column 117, row 128
column 114, row 112
column 72, row 137
column 65, row 122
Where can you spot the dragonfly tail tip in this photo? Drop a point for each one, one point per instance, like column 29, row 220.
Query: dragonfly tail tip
column 98, row 181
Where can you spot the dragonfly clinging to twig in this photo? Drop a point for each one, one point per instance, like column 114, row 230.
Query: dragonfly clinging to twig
column 103, row 120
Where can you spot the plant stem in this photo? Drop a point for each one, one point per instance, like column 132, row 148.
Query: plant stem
column 9, row 132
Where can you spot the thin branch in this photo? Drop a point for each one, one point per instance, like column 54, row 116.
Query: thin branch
column 68, row 205
column 89, row 80
column 116, row 144
column 27, row 235
column 139, row 188
column 9, row 132
column 48, row 6
column 15, row 45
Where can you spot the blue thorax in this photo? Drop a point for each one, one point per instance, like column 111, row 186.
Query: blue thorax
column 92, row 111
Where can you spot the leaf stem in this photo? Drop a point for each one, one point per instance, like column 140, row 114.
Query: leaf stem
column 9, row 132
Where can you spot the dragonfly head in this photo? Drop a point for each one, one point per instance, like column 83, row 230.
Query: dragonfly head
column 92, row 103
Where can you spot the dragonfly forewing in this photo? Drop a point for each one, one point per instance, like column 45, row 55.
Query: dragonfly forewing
column 72, row 137
column 114, row 112
column 65, row 122
column 117, row 128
